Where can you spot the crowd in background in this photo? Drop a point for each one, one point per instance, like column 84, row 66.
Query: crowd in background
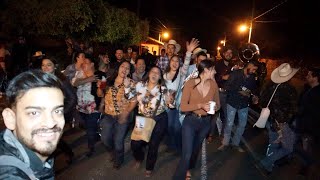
column 108, row 90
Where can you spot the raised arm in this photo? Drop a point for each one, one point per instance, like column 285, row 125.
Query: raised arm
column 80, row 81
column 194, row 43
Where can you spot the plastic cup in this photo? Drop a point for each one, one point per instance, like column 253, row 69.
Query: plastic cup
column 103, row 84
column 212, row 105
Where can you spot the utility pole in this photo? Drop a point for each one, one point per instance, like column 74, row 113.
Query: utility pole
column 254, row 18
column 251, row 21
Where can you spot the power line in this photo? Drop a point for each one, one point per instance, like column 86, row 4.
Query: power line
column 270, row 10
column 161, row 23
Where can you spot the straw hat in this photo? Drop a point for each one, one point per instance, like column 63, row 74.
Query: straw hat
column 173, row 42
column 283, row 73
column 197, row 51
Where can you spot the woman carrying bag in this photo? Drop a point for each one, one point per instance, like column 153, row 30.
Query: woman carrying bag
column 151, row 104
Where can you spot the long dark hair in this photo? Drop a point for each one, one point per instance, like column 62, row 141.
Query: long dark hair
column 146, row 78
column 168, row 69
column 201, row 66
column 111, row 80
column 56, row 72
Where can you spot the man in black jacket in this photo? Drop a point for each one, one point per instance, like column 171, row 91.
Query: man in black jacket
column 241, row 89
column 34, row 121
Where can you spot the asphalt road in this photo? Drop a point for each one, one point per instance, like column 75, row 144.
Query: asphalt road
column 229, row 164
column 226, row 165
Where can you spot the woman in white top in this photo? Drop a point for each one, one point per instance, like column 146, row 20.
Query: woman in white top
column 174, row 77
column 151, row 103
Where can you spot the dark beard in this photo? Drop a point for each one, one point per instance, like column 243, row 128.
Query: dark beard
column 31, row 144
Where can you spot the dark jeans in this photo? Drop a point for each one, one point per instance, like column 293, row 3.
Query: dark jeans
column 173, row 140
column 113, row 135
column 194, row 131
column 91, row 122
column 213, row 122
column 223, row 113
column 157, row 134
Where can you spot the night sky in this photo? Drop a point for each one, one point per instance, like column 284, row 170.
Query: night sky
column 293, row 34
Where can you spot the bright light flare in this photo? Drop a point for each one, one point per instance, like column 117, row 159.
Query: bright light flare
column 165, row 35
column 243, row 28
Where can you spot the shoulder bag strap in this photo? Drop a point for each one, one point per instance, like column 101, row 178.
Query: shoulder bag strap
column 158, row 104
column 274, row 92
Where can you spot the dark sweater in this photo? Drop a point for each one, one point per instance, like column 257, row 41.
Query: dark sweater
column 10, row 146
column 236, row 81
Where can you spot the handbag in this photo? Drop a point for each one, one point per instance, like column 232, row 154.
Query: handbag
column 144, row 126
column 265, row 113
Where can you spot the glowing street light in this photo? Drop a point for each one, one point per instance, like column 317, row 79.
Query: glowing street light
column 165, row 35
column 243, row 28
column 218, row 48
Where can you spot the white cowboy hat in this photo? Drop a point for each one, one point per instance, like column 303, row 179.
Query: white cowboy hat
column 38, row 54
column 197, row 51
column 173, row 42
column 283, row 73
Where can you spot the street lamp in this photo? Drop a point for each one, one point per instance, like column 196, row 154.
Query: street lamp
column 163, row 35
column 254, row 19
column 223, row 42
column 218, row 53
column 243, row 28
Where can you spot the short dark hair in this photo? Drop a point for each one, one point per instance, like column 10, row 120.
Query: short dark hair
column 315, row 72
column 77, row 54
column 28, row 80
column 140, row 58
column 253, row 62
column 201, row 54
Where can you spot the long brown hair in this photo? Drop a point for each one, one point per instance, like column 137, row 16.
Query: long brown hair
column 168, row 69
column 201, row 66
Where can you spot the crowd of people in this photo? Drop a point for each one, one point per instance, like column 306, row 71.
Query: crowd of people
column 187, row 96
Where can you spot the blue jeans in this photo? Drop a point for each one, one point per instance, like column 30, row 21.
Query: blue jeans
column 223, row 113
column 173, row 140
column 91, row 123
column 194, row 131
column 275, row 151
column 242, row 118
column 223, row 105
column 113, row 135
